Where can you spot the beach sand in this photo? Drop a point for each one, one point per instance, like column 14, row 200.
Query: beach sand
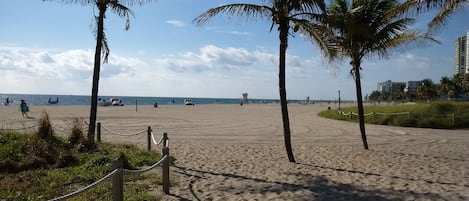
column 233, row 152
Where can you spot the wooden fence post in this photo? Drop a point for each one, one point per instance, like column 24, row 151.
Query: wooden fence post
column 165, row 139
column 98, row 133
column 149, row 138
column 165, row 170
column 118, row 180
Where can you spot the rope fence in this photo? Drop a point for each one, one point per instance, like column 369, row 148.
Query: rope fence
column 18, row 129
column 117, row 174
column 121, row 134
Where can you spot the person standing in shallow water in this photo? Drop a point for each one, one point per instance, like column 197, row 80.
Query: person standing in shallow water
column 24, row 108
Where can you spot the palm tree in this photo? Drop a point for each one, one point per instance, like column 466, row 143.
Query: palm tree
column 285, row 14
column 427, row 90
column 446, row 87
column 447, row 8
column 364, row 28
column 102, row 48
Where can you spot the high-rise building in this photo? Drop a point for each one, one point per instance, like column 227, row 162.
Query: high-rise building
column 462, row 55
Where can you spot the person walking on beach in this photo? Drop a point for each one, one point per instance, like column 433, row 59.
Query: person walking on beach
column 24, row 108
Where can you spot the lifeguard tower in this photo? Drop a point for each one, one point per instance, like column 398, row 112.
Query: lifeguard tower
column 245, row 98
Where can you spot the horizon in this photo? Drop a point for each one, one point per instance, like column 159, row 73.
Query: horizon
column 6, row 95
column 164, row 55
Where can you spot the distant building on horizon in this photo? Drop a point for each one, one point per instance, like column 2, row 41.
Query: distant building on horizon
column 462, row 55
column 391, row 87
column 411, row 87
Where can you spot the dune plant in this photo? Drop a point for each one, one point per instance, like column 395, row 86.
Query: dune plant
column 45, row 130
column 26, row 173
column 77, row 135
column 439, row 114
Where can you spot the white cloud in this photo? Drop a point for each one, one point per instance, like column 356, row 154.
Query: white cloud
column 241, row 33
column 176, row 23
column 412, row 61
column 211, row 71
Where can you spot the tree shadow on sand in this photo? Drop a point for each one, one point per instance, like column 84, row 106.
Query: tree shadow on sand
column 306, row 187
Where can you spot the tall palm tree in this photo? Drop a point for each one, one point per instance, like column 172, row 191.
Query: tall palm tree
column 286, row 14
column 102, row 48
column 446, row 9
column 365, row 28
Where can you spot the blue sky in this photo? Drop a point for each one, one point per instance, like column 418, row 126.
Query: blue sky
column 48, row 48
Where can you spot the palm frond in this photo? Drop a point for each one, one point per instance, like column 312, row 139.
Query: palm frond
column 122, row 11
column 320, row 35
column 446, row 9
column 441, row 19
column 93, row 2
column 248, row 11
column 75, row 2
column 105, row 48
column 404, row 42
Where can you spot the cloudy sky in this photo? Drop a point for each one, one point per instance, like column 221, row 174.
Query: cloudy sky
column 48, row 48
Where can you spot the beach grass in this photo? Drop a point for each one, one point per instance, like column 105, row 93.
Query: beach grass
column 32, row 168
column 439, row 114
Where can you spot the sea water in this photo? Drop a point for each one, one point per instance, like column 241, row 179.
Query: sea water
column 43, row 99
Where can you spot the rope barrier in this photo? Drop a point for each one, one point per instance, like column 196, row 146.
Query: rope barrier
column 87, row 187
column 116, row 133
column 154, row 141
column 149, row 168
column 17, row 129
column 60, row 129
column 395, row 113
column 371, row 113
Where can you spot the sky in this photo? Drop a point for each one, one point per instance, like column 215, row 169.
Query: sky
column 48, row 48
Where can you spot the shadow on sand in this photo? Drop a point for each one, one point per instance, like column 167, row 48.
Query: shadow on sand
column 315, row 188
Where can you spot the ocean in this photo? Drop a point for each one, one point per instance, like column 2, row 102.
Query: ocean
column 69, row 100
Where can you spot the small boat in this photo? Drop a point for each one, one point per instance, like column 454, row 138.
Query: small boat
column 116, row 102
column 56, row 101
column 110, row 102
column 188, row 101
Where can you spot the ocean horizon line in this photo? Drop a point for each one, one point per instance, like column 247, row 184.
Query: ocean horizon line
column 57, row 99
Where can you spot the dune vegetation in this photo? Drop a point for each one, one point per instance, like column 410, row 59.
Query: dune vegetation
column 439, row 114
column 42, row 166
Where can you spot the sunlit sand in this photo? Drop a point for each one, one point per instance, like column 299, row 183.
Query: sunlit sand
column 233, row 152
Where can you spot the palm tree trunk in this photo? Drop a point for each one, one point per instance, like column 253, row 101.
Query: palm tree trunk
column 361, row 116
column 282, row 88
column 97, row 67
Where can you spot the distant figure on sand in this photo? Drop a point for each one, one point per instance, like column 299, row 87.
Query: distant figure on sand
column 24, row 108
column 7, row 101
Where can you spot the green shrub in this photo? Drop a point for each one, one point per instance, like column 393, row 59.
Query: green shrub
column 442, row 107
column 45, row 130
column 77, row 135
column 441, row 114
column 33, row 177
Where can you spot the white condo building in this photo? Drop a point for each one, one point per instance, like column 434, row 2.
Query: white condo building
column 462, row 55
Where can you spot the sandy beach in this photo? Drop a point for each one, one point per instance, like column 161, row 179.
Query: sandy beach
column 233, row 152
